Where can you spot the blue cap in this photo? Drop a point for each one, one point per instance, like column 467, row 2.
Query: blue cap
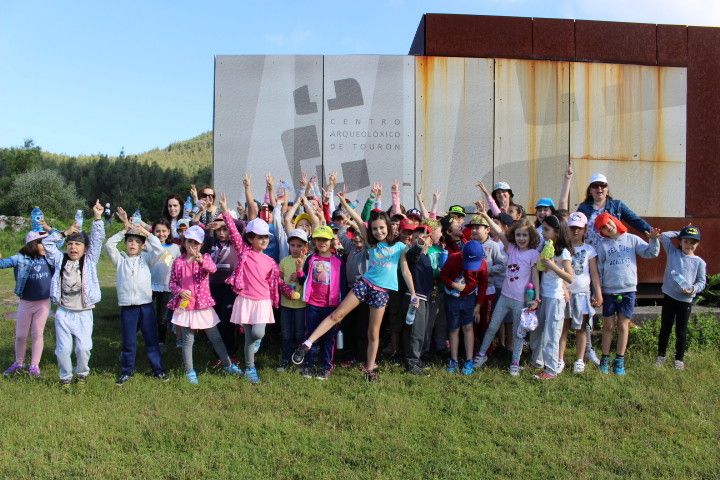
column 690, row 232
column 545, row 202
column 473, row 255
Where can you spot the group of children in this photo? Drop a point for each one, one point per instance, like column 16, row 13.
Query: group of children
column 491, row 277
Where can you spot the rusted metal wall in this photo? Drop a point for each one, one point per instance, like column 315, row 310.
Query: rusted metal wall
column 630, row 125
column 531, row 127
column 454, row 126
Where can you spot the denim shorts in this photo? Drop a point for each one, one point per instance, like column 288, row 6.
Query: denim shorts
column 459, row 310
column 620, row 303
column 374, row 297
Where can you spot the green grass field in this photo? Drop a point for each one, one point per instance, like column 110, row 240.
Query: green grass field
column 653, row 423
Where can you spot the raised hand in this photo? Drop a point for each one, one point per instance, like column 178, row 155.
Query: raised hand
column 395, row 187
column 193, row 193
column 436, row 197
column 480, row 206
column 483, row 188
column 332, row 181
column 654, row 234
column 303, row 180
column 569, row 172
column 247, row 180
column 223, row 203
column 269, row 181
column 122, row 215
column 98, row 210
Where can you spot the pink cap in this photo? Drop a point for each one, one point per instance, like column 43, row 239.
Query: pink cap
column 32, row 236
column 577, row 219
column 195, row 233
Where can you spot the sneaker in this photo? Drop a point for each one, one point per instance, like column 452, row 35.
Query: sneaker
column 544, row 376
column 452, row 366
column 34, row 371
column 659, row 361
column 307, row 372
column 192, row 377
column 284, row 366
column 323, row 374
column 14, row 368
column 256, row 345
column 122, row 380
column 480, row 360
column 65, row 384
column 561, row 366
column 81, row 381
column 514, row 369
column 591, row 356
column 298, row 356
column 348, row 363
column 579, row 366
column 468, row 368
column 418, row 370
column 233, row 369
column 162, row 376
column 679, row 365
column 604, row 365
column 252, row 375
column 371, row 376
column 619, row 366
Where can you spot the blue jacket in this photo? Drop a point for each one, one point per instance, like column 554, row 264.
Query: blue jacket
column 619, row 210
column 90, row 282
column 21, row 263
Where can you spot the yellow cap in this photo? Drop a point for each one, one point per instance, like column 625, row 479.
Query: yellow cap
column 323, row 231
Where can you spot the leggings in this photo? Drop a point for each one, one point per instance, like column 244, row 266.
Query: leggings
column 252, row 333
column 188, row 337
column 678, row 313
column 31, row 318
column 163, row 315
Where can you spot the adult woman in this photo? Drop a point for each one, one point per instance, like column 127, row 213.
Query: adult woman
column 172, row 212
column 501, row 198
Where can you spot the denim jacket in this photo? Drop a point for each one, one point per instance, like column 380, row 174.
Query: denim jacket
column 90, row 282
column 619, row 210
column 21, row 263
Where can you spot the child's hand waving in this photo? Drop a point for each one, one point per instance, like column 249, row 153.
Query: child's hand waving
column 98, row 210
column 223, row 203
column 122, row 215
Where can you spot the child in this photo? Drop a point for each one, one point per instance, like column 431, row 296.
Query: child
column 465, row 280
column 75, row 289
column 33, row 273
column 520, row 245
column 255, row 281
column 579, row 311
column 192, row 303
column 323, row 277
column 421, row 269
column 617, row 261
column 677, row 303
column 545, row 339
column 292, row 312
column 134, row 293
column 160, row 277
column 381, row 276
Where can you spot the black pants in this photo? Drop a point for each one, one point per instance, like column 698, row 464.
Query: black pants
column 162, row 313
column 224, row 298
column 354, row 328
column 678, row 313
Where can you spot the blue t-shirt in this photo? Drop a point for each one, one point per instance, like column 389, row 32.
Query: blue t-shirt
column 382, row 269
column 273, row 249
column 37, row 285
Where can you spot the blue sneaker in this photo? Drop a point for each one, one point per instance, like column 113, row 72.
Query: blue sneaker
column 256, row 345
column 619, row 366
column 604, row 366
column 468, row 368
column 252, row 375
column 192, row 377
column 452, row 366
column 233, row 369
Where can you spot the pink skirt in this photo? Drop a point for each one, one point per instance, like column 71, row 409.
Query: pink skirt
column 195, row 319
column 252, row 312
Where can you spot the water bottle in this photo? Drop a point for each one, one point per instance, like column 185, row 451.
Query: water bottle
column 410, row 317
column 529, row 294
column 36, row 218
column 187, row 207
column 79, row 219
column 340, row 341
column 680, row 280
column 136, row 218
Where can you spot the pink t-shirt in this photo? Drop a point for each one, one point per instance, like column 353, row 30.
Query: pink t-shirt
column 258, row 268
column 519, row 271
column 320, row 277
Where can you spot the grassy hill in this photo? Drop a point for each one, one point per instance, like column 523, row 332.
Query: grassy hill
column 186, row 155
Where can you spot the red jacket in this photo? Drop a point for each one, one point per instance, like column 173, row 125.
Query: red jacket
column 477, row 279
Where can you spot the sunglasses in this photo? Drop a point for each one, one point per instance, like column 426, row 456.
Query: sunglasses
column 598, row 185
column 206, row 194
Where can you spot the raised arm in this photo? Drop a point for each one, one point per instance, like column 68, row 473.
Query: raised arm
column 564, row 203
column 252, row 208
column 435, row 204
column 395, row 198
column 290, row 214
column 361, row 230
column 235, row 236
column 494, row 209
column 421, row 203
column 493, row 226
column 97, row 233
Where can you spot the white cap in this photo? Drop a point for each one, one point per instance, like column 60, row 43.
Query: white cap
column 258, row 226
column 195, row 233
column 298, row 233
column 598, row 178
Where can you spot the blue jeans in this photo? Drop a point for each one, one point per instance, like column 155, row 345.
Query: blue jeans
column 132, row 319
column 292, row 325
column 325, row 344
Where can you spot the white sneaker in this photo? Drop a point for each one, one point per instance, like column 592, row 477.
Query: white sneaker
column 679, row 365
column 591, row 356
column 479, row 360
column 561, row 366
column 660, row 361
column 514, row 369
column 579, row 366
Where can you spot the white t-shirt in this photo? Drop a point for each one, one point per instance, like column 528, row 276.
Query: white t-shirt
column 581, row 268
column 551, row 284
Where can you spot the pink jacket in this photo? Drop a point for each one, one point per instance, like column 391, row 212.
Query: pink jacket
column 193, row 276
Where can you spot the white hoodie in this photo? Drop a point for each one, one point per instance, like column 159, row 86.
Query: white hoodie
column 133, row 280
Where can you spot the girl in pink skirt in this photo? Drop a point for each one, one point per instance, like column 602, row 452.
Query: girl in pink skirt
column 192, row 303
column 257, row 283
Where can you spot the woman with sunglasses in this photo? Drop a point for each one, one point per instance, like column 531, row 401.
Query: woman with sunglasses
column 205, row 201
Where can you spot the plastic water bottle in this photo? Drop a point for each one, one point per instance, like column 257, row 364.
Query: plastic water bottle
column 340, row 341
column 136, row 218
column 529, row 294
column 79, row 219
column 680, row 280
column 36, row 218
column 410, row 317
column 187, row 207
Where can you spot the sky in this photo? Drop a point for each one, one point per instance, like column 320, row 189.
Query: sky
column 88, row 76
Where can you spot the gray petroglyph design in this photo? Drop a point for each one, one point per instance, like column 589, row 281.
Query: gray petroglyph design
column 347, row 94
column 303, row 105
column 300, row 144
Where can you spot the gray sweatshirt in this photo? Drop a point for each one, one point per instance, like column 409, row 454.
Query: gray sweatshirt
column 692, row 268
column 617, row 261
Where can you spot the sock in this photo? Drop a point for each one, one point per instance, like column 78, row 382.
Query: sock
column 619, row 356
column 307, row 343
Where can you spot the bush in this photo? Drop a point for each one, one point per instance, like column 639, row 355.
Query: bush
column 711, row 295
column 703, row 332
column 44, row 188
